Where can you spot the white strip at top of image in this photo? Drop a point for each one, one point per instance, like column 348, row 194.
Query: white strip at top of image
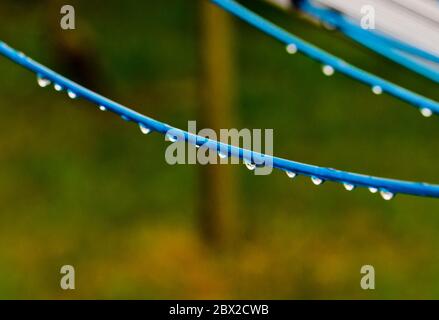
column 415, row 22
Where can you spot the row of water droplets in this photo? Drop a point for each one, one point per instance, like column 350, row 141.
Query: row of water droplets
column 43, row 82
column 385, row 194
column 329, row 70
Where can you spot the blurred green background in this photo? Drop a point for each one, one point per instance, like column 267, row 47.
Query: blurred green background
column 81, row 187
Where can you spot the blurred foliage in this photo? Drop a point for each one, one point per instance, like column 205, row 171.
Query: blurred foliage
column 81, row 187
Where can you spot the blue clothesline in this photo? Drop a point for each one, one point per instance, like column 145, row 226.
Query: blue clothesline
column 387, row 187
column 424, row 104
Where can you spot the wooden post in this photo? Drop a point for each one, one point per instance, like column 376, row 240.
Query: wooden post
column 217, row 205
column 73, row 50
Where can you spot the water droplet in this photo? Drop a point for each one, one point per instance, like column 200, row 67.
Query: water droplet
column 349, row 186
column 102, row 108
column 144, row 129
column 373, row 189
column 387, row 195
column 249, row 165
column 328, row 70
column 43, row 82
column 222, row 155
column 171, row 138
column 426, row 112
column 71, row 94
column 291, row 48
column 291, row 174
column 57, row 87
column 317, row 181
column 377, row 90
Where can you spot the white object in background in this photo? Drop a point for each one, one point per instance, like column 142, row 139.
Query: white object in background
column 415, row 22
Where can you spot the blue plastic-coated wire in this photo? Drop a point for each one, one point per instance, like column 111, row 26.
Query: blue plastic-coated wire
column 426, row 105
column 387, row 187
column 391, row 48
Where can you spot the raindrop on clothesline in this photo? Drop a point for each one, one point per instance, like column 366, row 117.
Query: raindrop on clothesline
column 328, row 70
column 102, row 108
column 291, row 174
column 426, row 112
column 291, row 48
column 373, row 189
column 349, row 186
column 57, row 87
column 249, row 165
column 387, row 195
column 377, row 90
column 317, row 181
column 43, row 82
column 71, row 94
column 144, row 129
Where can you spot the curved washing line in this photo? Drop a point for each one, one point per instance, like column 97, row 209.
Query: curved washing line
column 387, row 187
